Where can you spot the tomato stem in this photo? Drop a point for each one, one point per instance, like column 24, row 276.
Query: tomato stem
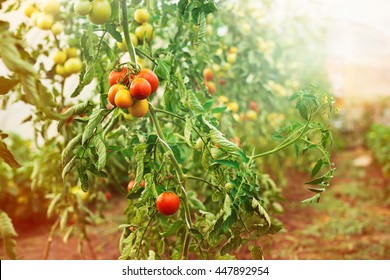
column 129, row 44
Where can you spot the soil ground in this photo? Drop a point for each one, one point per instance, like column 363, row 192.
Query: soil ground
column 352, row 221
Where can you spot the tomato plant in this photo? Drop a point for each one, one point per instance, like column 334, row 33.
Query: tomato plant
column 186, row 147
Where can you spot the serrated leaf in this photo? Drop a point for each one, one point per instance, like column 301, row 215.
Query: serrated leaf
column 208, row 104
column 94, row 120
column 173, row 229
column 7, row 156
column 196, row 234
column 316, row 181
column 227, row 207
column 302, row 109
column 230, row 163
column 6, row 85
column 8, row 233
column 217, row 138
column 231, row 244
column 67, row 153
column 256, row 252
column 261, row 211
column 101, row 152
column 111, row 28
column 67, row 234
column 193, row 102
column 53, row 203
column 209, row 8
column 82, row 171
column 218, row 110
column 316, row 168
column 202, row 27
column 69, row 166
column 316, row 190
column 64, row 219
column 314, row 199
column 163, row 69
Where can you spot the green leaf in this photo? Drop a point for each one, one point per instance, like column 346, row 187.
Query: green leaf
column 261, row 211
column 317, row 168
column 69, row 166
column 202, row 27
column 231, row 244
column 218, row 109
column 316, row 181
column 111, row 28
column 193, row 102
column 6, row 85
column 67, row 153
column 208, row 104
column 86, row 78
column 53, row 203
column 174, row 228
column 227, row 207
column 217, row 138
column 209, row 8
column 94, row 120
column 256, row 252
column 230, row 163
column 316, row 190
column 101, row 151
column 314, row 199
column 196, row 234
column 302, row 109
column 7, row 156
column 163, row 69
column 8, row 233
column 82, row 171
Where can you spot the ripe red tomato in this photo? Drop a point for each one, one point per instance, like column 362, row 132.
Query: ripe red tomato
column 150, row 76
column 119, row 77
column 108, row 195
column 112, row 92
column 167, row 203
column 140, row 88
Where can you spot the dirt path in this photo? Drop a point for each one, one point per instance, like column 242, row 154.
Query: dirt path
column 352, row 221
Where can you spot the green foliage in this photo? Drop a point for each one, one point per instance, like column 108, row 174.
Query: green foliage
column 378, row 138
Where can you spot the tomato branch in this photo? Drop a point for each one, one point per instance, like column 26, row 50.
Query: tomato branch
column 129, row 44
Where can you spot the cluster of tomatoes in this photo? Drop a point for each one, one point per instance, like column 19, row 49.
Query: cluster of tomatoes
column 44, row 15
column 130, row 90
column 97, row 11
column 67, row 62
column 167, row 203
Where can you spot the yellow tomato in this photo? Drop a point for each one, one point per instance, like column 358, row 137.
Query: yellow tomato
column 141, row 15
column 144, row 30
column 140, row 108
column 233, row 106
column 59, row 57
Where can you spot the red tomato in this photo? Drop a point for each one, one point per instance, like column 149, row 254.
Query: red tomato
column 119, row 77
column 108, row 195
column 150, row 76
column 140, row 88
column 167, row 203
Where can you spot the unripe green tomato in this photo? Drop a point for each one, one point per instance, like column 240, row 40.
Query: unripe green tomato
column 45, row 21
column 82, row 7
column 73, row 65
column 141, row 15
column 100, row 13
column 51, row 7
column 144, row 30
column 73, row 42
column 59, row 57
column 229, row 186
column 57, row 28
